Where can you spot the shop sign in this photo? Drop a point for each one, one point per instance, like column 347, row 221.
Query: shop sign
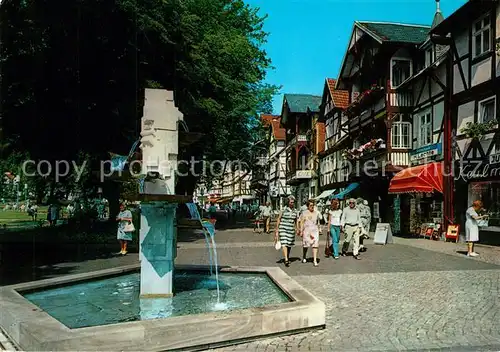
column 425, row 152
column 472, row 171
column 495, row 158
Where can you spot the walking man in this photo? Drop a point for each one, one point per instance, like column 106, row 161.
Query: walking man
column 351, row 225
column 365, row 212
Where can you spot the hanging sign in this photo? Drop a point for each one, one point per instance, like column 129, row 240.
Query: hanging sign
column 495, row 158
column 426, row 152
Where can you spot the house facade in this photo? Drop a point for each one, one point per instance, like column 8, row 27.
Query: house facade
column 298, row 116
column 379, row 58
column 278, row 189
column 472, row 34
column 333, row 174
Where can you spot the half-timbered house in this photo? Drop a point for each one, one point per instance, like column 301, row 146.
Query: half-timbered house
column 420, row 206
column 472, row 34
column 378, row 60
column 297, row 117
column 332, row 175
column 277, row 189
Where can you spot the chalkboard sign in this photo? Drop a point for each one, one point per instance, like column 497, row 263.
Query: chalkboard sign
column 383, row 234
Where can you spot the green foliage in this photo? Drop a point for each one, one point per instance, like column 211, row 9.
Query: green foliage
column 477, row 130
column 90, row 61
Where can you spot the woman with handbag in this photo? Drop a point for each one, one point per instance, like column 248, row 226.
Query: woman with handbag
column 125, row 228
column 472, row 227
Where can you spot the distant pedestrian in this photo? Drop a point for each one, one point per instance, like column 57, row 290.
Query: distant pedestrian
column 334, row 223
column 351, row 226
column 266, row 217
column 364, row 211
column 212, row 211
column 471, row 226
column 309, row 231
column 125, row 228
column 286, row 229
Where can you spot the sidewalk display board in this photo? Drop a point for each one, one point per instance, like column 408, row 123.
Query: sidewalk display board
column 383, row 234
column 452, row 233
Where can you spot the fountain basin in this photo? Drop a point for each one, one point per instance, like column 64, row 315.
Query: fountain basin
column 32, row 328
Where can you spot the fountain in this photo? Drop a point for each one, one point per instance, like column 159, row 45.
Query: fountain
column 149, row 306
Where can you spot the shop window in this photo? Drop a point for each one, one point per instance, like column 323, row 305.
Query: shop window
column 487, row 110
column 489, row 193
column 401, row 70
column 481, row 33
column 425, row 135
column 401, row 135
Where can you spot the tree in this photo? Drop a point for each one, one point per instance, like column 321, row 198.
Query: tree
column 75, row 73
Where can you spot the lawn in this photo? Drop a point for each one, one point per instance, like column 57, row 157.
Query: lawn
column 20, row 219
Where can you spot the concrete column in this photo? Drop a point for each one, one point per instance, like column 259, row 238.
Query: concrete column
column 158, row 240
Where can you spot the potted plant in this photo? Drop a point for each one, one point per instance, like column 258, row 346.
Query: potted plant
column 477, row 130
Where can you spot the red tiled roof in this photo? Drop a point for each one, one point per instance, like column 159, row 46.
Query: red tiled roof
column 266, row 119
column 273, row 121
column 340, row 97
column 279, row 133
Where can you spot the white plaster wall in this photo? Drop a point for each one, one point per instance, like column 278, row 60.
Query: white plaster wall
column 416, row 90
column 441, row 74
column 458, row 85
column 462, row 42
column 481, row 72
column 465, row 114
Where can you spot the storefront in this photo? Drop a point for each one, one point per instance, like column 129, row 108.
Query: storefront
column 480, row 180
column 418, row 199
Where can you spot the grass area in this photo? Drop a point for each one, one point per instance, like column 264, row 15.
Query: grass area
column 19, row 219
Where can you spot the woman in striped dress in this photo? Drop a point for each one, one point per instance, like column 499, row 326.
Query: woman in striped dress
column 286, row 229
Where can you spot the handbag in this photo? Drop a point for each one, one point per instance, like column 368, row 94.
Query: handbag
column 129, row 227
column 277, row 245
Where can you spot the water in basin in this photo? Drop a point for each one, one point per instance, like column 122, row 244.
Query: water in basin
column 116, row 299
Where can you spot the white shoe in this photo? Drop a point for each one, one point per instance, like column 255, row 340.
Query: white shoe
column 304, row 260
column 473, row 254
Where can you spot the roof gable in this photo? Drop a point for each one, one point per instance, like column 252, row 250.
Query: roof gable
column 340, row 97
column 396, row 32
column 302, row 103
column 279, row 133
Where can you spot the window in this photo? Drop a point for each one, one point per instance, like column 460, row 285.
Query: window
column 487, row 110
column 401, row 135
column 481, row 33
column 401, row 70
column 425, row 135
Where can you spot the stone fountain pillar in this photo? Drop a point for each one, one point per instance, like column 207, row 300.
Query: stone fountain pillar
column 159, row 144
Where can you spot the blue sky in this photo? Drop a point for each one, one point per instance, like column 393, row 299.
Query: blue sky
column 308, row 38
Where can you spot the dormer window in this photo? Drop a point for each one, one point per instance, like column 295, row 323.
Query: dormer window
column 430, row 56
column 401, row 70
column 481, row 32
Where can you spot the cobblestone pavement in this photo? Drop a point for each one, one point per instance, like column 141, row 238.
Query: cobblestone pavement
column 410, row 295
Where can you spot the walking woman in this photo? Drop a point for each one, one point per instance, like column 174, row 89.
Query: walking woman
column 334, row 216
column 309, row 231
column 286, row 229
column 471, row 226
column 125, row 228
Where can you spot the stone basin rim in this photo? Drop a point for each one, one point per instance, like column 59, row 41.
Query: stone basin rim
column 36, row 329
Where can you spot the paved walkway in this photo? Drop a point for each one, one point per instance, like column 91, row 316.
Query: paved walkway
column 413, row 294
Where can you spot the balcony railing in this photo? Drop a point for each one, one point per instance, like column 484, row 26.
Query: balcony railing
column 300, row 138
column 401, row 99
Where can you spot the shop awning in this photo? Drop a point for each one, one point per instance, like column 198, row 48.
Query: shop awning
column 426, row 178
column 346, row 191
column 325, row 194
